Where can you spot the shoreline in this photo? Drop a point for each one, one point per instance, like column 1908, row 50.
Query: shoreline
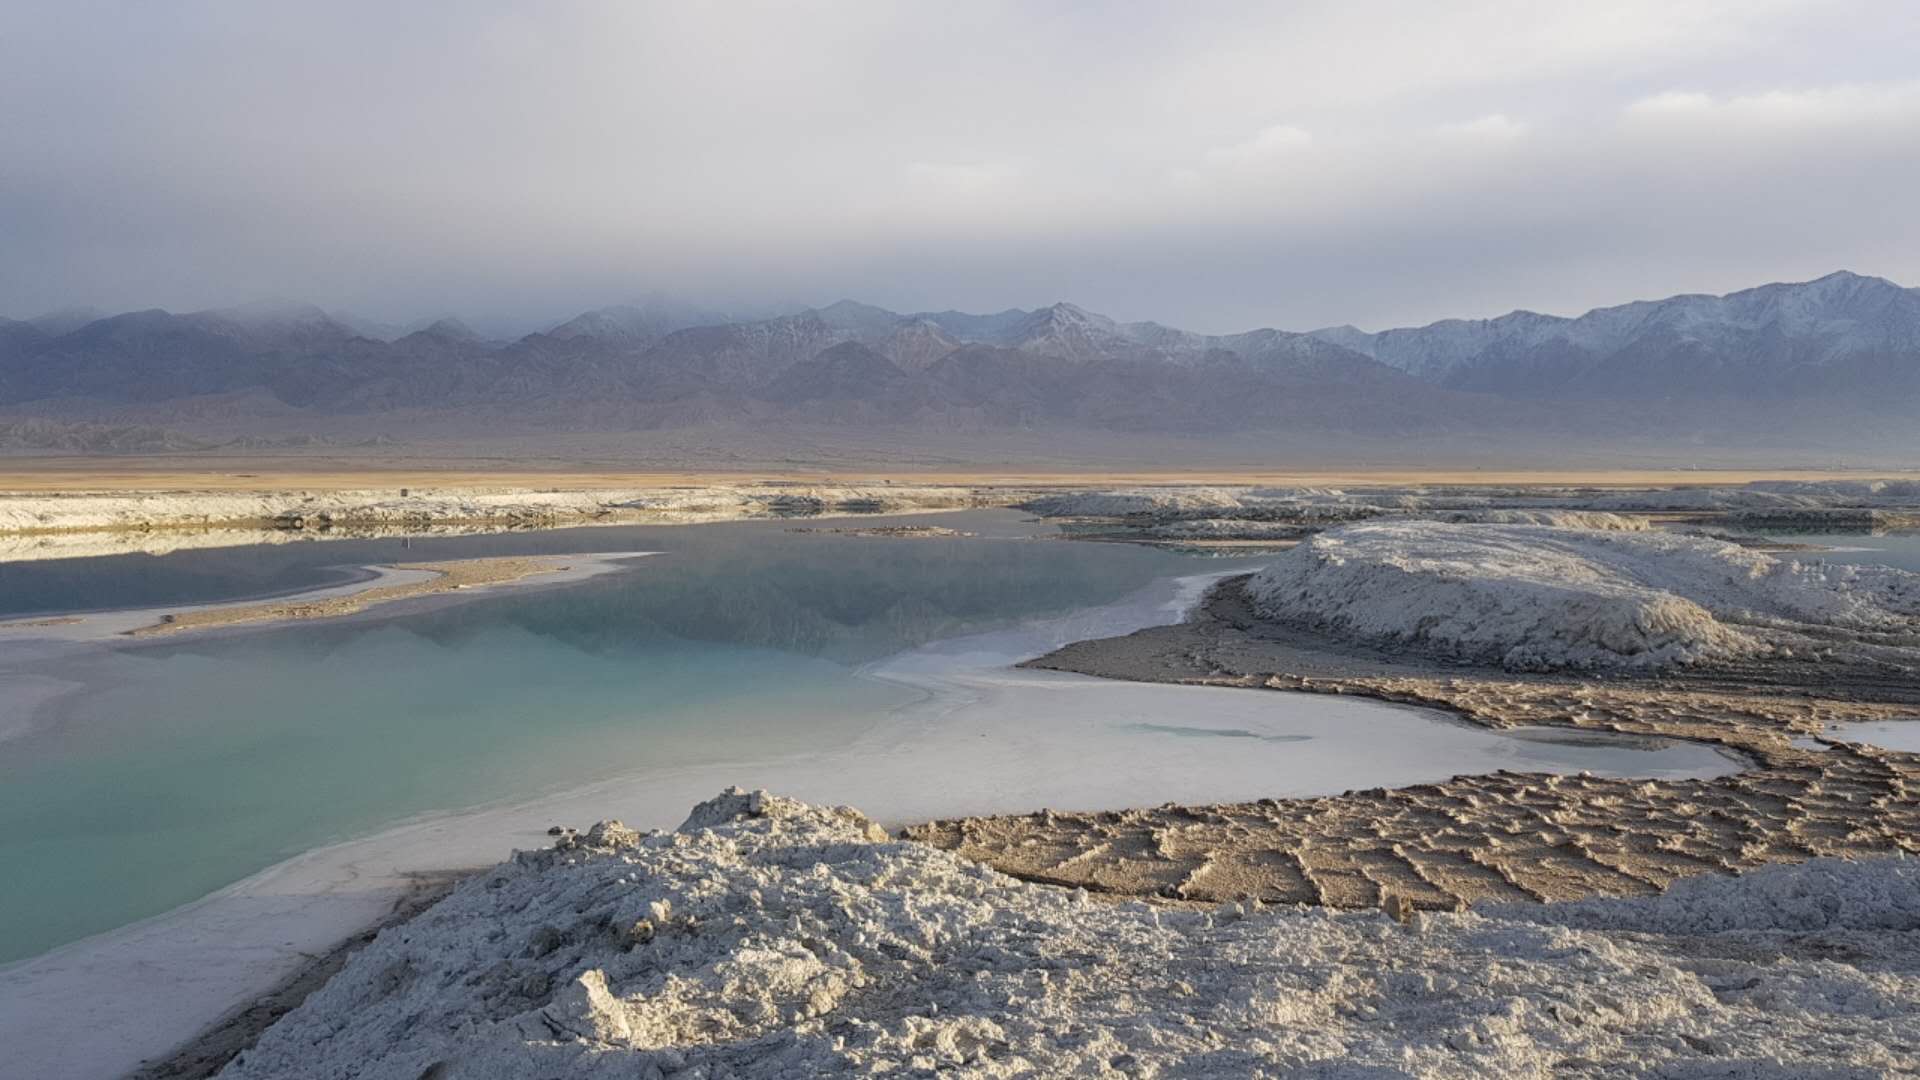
column 317, row 904
column 310, row 903
column 209, row 1051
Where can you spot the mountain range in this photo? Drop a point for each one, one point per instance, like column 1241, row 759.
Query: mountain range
column 1842, row 335
column 1829, row 351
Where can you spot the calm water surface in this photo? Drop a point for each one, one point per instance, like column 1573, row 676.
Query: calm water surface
column 1901, row 549
column 176, row 768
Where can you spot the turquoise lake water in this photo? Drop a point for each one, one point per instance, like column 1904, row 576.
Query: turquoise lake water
column 180, row 767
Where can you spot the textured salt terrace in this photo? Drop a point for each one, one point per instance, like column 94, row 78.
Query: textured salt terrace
column 1540, row 598
column 767, row 938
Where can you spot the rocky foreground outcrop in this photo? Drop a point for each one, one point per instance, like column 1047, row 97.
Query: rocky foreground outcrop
column 767, row 938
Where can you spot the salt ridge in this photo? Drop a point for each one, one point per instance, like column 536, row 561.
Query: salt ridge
column 1540, row 598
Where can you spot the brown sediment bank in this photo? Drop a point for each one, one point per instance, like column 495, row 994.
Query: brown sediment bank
column 448, row 576
column 1502, row 836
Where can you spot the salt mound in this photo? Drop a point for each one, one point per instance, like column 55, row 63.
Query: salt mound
column 1540, row 598
column 773, row 939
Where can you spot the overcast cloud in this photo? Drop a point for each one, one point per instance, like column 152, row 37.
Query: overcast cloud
column 1212, row 165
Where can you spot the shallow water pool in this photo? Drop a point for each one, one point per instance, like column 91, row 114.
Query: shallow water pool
column 1886, row 734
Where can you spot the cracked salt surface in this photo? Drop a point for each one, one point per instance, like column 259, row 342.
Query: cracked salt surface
column 767, row 938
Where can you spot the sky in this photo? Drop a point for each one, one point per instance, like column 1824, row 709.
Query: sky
column 1215, row 166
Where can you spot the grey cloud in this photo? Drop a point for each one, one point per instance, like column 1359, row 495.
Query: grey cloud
column 1223, row 166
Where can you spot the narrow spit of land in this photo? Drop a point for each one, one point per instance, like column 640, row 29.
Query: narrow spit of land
column 447, row 577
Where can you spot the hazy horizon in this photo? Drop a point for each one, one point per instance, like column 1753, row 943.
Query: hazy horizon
column 522, row 327
column 1383, row 164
